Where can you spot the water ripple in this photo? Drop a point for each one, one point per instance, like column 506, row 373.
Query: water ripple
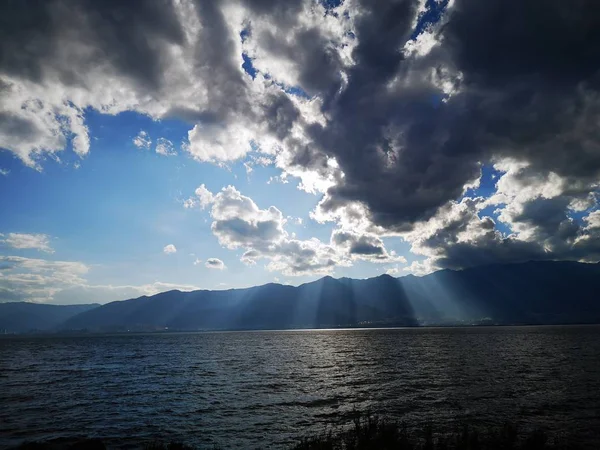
column 264, row 389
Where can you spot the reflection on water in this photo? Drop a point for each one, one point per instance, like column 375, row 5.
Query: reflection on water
column 255, row 389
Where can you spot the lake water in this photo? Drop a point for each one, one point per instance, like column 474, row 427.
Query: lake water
column 263, row 389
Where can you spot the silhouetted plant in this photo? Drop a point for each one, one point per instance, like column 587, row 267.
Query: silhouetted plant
column 371, row 432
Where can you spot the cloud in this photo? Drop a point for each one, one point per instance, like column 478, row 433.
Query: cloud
column 157, row 59
column 217, row 143
column 30, row 127
column 368, row 247
column 458, row 237
column 393, row 271
column 197, row 261
column 593, row 220
column 165, row 147
column 215, row 263
column 163, row 65
column 63, row 282
column 4, row 172
column 39, row 242
column 30, row 279
column 142, row 140
column 389, row 119
column 169, row 249
column 238, row 223
column 404, row 156
column 202, row 198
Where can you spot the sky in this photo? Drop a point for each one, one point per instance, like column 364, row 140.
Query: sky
column 193, row 144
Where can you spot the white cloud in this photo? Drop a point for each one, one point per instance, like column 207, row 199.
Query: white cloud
column 164, row 66
column 395, row 271
column 142, row 140
column 63, row 282
column 86, row 293
column 203, row 198
column 217, row 143
column 39, row 242
column 197, row 261
column 359, row 144
column 32, row 126
column 215, row 263
column 70, row 270
column 593, row 220
column 169, row 249
column 4, row 172
column 238, row 223
column 422, row 45
column 37, row 279
column 165, row 147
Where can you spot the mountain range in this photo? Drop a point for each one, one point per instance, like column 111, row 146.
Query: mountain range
column 18, row 317
column 549, row 292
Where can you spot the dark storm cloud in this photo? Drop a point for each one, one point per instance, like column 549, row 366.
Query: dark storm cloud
column 317, row 62
column 463, row 255
column 162, row 58
column 511, row 80
column 16, row 125
column 359, row 245
column 36, row 36
column 394, row 142
column 458, row 255
column 312, row 53
column 281, row 114
column 463, row 239
column 77, row 41
column 548, row 218
column 216, row 61
column 365, row 248
column 535, row 69
column 362, row 246
column 278, row 12
column 555, row 42
column 527, row 89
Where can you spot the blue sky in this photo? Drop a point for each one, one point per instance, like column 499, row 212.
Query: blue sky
column 227, row 146
column 116, row 209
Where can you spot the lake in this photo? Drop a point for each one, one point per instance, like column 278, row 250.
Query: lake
column 264, row 389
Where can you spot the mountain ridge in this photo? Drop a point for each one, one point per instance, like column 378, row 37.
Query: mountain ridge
column 533, row 292
column 19, row 317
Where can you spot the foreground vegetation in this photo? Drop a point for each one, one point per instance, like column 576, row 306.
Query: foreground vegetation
column 372, row 432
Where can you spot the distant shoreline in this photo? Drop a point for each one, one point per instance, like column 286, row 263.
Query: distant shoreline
column 279, row 330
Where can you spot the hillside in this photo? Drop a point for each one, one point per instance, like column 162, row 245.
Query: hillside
column 20, row 317
column 529, row 293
